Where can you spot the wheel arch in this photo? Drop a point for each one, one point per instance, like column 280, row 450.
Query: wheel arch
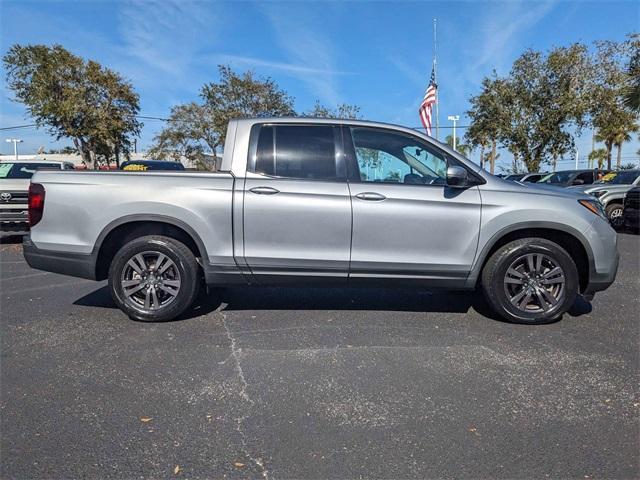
column 568, row 238
column 125, row 229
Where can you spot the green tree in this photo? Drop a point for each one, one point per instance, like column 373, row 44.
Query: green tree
column 632, row 93
column 547, row 103
column 489, row 118
column 343, row 110
column 74, row 98
column 610, row 114
column 242, row 96
column 197, row 130
column 623, row 136
column 598, row 156
column 461, row 148
column 189, row 133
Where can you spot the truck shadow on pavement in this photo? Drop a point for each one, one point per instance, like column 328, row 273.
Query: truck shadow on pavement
column 266, row 298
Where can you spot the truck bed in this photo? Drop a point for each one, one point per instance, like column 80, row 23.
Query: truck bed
column 81, row 206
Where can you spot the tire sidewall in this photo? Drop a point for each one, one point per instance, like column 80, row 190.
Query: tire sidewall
column 187, row 278
column 508, row 310
column 610, row 209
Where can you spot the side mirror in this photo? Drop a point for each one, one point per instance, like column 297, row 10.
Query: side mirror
column 578, row 181
column 457, row 177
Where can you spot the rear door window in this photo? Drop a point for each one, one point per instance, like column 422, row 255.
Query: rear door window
column 297, row 151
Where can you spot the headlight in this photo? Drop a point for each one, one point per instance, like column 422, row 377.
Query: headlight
column 594, row 206
column 599, row 193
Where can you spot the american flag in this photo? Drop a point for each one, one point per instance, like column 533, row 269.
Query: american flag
column 427, row 103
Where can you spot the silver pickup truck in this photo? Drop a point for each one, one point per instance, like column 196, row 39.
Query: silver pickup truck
column 302, row 201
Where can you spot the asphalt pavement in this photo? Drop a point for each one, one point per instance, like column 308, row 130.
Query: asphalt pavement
column 315, row 383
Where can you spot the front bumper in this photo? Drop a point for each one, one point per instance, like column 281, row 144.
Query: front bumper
column 603, row 256
column 14, row 221
column 65, row 263
column 601, row 281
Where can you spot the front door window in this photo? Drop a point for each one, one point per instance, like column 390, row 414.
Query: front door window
column 391, row 157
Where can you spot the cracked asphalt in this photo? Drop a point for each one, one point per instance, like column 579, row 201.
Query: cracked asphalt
column 312, row 383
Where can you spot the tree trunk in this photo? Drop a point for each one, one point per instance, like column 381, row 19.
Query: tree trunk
column 609, row 146
column 94, row 160
column 619, row 156
column 117, row 154
column 482, row 157
column 492, row 160
column 81, row 146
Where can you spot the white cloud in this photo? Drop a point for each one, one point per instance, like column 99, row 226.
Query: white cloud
column 307, row 48
column 165, row 35
column 296, row 69
column 500, row 31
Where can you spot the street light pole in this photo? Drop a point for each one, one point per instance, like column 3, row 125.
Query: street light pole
column 15, row 142
column 454, row 119
column 577, row 158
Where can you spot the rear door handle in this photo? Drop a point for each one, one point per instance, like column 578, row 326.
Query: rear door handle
column 371, row 196
column 264, row 190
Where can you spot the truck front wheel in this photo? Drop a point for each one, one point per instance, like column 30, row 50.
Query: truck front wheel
column 154, row 278
column 531, row 280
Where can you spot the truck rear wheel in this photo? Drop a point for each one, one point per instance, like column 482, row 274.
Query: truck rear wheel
column 154, row 278
column 531, row 280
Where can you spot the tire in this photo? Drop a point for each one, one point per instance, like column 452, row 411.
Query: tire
column 154, row 278
column 614, row 214
column 516, row 292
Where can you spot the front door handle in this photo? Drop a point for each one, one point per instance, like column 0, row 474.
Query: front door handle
column 371, row 196
column 264, row 190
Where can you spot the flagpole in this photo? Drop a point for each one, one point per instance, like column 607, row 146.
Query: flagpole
column 435, row 76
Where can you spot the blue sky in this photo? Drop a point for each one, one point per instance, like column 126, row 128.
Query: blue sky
column 373, row 54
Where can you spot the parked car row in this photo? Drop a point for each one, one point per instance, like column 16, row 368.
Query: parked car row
column 608, row 187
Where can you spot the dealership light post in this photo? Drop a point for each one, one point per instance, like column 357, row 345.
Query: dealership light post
column 15, row 142
column 454, row 119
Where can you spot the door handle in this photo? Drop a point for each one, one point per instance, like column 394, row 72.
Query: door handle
column 371, row 196
column 264, row 190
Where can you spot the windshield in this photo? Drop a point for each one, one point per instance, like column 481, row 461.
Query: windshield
column 557, row 177
column 622, row 178
column 23, row 170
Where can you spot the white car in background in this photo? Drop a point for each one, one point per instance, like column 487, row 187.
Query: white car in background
column 15, row 177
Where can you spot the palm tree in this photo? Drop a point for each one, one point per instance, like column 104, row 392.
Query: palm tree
column 599, row 155
column 615, row 132
column 461, row 148
column 606, row 136
column 622, row 137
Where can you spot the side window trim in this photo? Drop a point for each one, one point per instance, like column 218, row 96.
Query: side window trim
column 338, row 149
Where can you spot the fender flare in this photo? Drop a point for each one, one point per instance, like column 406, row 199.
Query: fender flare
column 481, row 258
column 144, row 217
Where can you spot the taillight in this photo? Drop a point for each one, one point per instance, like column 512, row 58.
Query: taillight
column 36, row 203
